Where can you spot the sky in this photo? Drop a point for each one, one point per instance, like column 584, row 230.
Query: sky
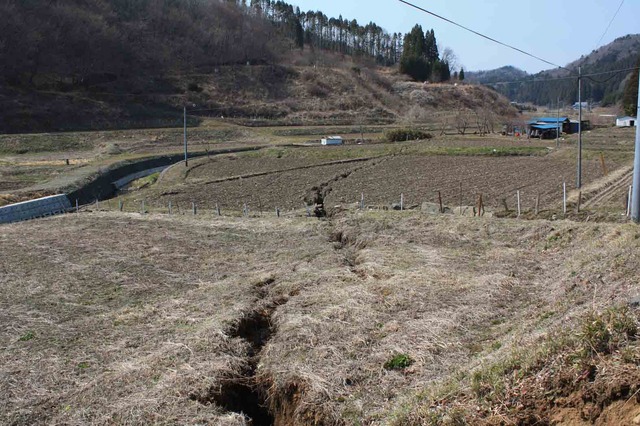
column 559, row 31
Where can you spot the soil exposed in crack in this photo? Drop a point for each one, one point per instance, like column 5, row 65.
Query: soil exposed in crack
column 243, row 393
column 317, row 194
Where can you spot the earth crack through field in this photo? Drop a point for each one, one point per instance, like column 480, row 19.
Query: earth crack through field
column 244, row 392
column 290, row 169
column 318, row 194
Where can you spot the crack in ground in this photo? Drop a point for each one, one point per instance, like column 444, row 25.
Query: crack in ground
column 243, row 393
column 318, row 193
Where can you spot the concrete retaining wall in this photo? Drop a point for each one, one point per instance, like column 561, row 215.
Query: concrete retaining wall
column 120, row 183
column 102, row 186
column 32, row 209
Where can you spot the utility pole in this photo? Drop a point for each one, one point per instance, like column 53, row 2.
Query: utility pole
column 558, row 124
column 186, row 157
column 579, row 179
column 635, row 197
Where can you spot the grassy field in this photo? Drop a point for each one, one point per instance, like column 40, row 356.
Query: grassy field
column 367, row 318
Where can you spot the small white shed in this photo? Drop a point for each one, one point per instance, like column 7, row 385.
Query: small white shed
column 332, row 140
column 626, row 121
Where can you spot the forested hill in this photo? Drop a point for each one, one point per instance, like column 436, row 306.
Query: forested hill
column 78, row 64
column 506, row 73
column 57, row 44
column 622, row 53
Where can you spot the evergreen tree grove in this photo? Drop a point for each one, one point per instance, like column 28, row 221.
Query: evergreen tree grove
column 420, row 58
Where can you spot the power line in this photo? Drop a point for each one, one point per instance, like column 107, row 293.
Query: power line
column 482, row 35
column 546, row 80
column 609, row 26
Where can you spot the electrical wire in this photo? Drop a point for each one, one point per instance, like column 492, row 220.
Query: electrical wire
column 609, row 26
column 482, row 35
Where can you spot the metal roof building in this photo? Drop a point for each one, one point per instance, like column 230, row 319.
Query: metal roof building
column 626, row 121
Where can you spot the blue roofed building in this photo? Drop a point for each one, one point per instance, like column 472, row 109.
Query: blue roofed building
column 548, row 127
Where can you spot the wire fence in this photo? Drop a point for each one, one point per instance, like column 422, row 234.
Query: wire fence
column 520, row 204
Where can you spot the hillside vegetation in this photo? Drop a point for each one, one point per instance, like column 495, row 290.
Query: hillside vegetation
column 121, row 64
column 622, row 53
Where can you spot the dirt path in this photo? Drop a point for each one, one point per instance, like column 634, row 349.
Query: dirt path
column 613, row 187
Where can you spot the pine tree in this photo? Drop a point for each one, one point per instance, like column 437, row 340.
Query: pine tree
column 461, row 75
column 413, row 62
column 630, row 96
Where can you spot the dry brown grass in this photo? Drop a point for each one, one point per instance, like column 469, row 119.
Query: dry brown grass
column 118, row 318
column 122, row 318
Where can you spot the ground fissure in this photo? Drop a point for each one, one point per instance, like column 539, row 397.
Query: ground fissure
column 244, row 393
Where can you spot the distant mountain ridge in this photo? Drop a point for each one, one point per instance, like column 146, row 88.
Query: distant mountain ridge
column 506, row 73
column 622, row 53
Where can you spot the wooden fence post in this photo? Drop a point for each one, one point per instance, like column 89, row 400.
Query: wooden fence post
column 440, row 203
column 518, row 197
column 480, row 206
column 604, row 166
column 77, row 206
column 564, row 197
column 401, row 202
column 537, row 208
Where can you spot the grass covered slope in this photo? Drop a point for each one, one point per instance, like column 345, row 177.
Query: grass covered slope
column 361, row 319
column 122, row 319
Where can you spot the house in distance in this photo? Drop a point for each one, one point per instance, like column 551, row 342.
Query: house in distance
column 332, row 140
column 550, row 127
column 626, row 121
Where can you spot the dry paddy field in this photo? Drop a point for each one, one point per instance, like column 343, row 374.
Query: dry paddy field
column 368, row 318
column 460, row 168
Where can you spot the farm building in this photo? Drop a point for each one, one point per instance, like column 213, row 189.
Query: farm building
column 562, row 122
column 573, row 127
column 548, row 127
column 332, row 140
column 543, row 131
column 626, row 121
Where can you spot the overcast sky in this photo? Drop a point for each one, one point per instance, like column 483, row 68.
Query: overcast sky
column 559, row 31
